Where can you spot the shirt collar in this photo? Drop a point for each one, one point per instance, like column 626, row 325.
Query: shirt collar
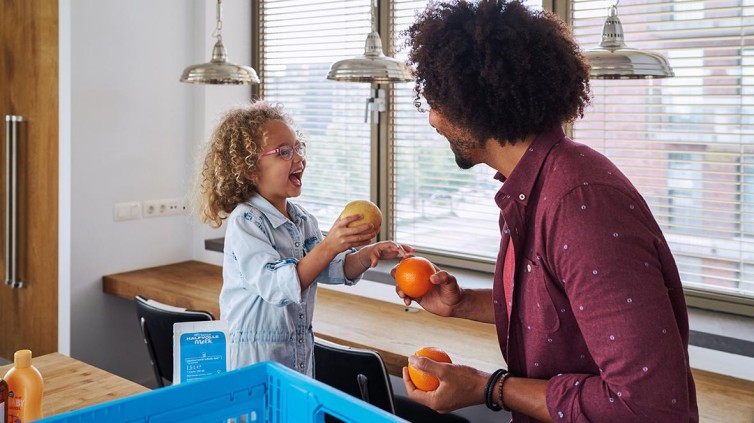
column 273, row 215
column 521, row 181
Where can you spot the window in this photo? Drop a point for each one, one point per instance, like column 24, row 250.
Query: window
column 437, row 207
column 299, row 41
column 686, row 142
column 430, row 203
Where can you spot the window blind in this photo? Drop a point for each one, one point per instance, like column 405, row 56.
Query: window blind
column 437, row 207
column 299, row 40
column 687, row 142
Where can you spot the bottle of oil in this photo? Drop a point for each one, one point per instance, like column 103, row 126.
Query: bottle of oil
column 3, row 401
column 25, row 389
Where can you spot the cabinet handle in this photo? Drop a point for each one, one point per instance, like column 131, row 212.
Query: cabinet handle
column 11, row 191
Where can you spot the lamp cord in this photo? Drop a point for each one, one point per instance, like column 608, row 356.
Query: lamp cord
column 218, row 33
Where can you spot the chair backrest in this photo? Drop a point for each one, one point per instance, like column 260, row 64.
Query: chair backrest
column 357, row 372
column 156, row 321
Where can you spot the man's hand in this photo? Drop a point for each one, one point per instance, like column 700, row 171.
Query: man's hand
column 442, row 299
column 460, row 386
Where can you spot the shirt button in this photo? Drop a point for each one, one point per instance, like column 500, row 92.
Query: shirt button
column 300, row 341
column 301, row 316
column 297, row 244
column 300, row 365
column 521, row 197
column 528, row 267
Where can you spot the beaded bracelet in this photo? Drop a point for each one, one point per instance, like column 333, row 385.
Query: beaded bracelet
column 490, row 389
column 502, row 380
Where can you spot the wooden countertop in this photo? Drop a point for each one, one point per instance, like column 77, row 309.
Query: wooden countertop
column 394, row 332
column 70, row 384
column 339, row 317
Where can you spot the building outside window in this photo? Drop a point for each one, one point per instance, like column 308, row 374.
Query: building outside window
column 686, row 142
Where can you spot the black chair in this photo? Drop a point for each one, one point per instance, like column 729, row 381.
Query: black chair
column 362, row 374
column 156, row 321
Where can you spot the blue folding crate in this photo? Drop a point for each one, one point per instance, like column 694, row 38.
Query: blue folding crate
column 264, row 392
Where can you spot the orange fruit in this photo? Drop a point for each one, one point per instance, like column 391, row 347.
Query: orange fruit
column 422, row 380
column 412, row 276
column 369, row 211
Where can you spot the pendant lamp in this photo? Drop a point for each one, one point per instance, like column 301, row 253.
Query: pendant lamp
column 613, row 60
column 218, row 70
column 373, row 65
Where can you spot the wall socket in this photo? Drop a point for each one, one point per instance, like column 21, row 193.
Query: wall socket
column 166, row 207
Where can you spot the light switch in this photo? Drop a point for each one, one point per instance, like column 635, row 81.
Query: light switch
column 127, row 211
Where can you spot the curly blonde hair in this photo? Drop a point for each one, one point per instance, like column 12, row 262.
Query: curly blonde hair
column 230, row 160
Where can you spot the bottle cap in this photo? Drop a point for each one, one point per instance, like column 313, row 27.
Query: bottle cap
column 22, row 358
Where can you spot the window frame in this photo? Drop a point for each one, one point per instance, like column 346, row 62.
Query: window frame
column 382, row 181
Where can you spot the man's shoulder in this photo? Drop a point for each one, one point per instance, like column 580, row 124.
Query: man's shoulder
column 571, row 165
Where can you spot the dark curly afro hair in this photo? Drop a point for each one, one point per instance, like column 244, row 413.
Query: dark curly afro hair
column 497, row 68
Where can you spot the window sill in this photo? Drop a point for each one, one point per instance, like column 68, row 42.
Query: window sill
column 712, row 330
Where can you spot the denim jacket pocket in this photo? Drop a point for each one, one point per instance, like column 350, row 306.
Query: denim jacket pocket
column 536, row 311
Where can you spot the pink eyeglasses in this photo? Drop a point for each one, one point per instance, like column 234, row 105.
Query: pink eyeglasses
column 286, row 151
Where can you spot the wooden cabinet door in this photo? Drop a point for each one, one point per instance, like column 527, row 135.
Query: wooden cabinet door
column 29, row 88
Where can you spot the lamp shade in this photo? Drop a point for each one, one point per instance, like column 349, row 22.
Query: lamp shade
column 219, row 71
column 372, row 66
column 613, row 60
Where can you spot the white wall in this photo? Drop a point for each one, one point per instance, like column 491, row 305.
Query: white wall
column 129, row 131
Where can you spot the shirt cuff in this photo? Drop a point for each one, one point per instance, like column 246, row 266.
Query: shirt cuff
column 288, row 287
column 336, row 273
column 563, row 397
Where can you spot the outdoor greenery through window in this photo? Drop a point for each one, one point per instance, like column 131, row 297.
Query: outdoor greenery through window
column 685, row 142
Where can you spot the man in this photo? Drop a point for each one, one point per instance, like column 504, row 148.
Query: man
column 587, row 300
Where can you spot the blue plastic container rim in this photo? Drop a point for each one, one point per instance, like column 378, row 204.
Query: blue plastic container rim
column 263, row 392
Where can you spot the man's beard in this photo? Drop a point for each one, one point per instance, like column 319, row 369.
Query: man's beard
column 463, row 163
column 462, row 160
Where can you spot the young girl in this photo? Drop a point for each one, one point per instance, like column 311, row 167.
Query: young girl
column 274, row 252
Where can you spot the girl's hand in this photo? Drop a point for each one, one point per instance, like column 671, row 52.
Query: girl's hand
column 385, row 250
column 341, row 237
column 460, row 386
column 442, row 299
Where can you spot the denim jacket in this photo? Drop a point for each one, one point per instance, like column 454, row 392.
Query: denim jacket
column 269, row 316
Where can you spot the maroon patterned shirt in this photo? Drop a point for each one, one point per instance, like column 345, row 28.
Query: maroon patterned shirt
column 598, row 307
